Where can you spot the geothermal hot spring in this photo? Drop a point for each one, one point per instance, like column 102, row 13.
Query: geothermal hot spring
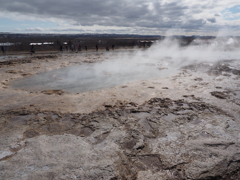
column 161, row 60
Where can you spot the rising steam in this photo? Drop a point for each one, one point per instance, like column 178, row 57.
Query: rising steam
column 162, row 59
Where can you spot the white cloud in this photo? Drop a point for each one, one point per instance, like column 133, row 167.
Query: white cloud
column 155, row 15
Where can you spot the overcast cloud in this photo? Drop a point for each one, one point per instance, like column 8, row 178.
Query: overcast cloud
column 125, row 16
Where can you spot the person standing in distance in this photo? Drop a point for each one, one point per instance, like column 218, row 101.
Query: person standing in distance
column 96, row 47
column 3, row 49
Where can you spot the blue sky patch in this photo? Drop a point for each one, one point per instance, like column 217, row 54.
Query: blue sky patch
column 7, row 24
column 235, row 9
column 229, row 13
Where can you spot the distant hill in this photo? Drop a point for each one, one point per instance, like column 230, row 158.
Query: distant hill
column 86, row 35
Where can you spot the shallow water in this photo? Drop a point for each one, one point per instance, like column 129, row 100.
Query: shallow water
column 92, row 77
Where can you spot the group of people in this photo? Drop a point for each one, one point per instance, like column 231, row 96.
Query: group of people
column 72, row 48
column 79, row 48
column 113, row 46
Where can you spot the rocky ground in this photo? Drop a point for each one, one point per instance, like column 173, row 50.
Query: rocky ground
column 181, row 127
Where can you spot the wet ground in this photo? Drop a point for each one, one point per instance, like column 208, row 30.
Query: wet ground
column 181, row 126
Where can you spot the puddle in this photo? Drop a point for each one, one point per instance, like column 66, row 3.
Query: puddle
column 90, row 77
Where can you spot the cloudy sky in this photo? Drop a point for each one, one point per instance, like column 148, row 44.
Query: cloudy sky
column 155, row 17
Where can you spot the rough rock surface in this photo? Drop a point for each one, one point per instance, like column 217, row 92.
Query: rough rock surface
column 161, row 138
